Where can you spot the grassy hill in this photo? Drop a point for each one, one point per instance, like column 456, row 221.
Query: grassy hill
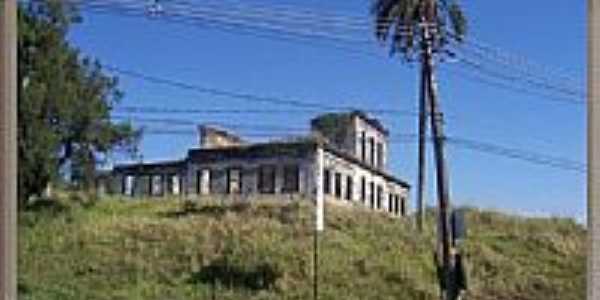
column 171, row 250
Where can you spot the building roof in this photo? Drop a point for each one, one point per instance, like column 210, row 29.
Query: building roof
column 172, row 166
column 371, row 121
column 349, row 115
column 297, row 148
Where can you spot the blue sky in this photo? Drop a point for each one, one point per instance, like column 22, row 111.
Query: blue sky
column 547, row 32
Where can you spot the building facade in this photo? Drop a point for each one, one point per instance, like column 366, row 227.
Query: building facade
column 354, row 167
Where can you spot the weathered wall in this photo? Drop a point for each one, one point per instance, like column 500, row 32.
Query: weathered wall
column 217, row 180
column 211, row 137
column 205, row 172
column 171, row 183
column 340, row 165
column 359, row 125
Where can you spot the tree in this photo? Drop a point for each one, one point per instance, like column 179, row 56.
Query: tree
column 423, row 28
column 64, row 102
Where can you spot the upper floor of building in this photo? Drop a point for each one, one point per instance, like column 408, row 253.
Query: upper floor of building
column 357, row 134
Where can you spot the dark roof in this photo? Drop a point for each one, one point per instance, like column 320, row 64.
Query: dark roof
column 296, row 148
column 371, row 121
column 289, row 149
column 355, row 113
column 250, row 151
column 151, row 167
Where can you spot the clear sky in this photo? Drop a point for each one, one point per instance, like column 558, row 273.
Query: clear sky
column 547, row 32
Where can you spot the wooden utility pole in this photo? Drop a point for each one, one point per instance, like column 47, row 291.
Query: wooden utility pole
column 8, row 149
column 593, row 184
column 449, row 287
column 422, row 149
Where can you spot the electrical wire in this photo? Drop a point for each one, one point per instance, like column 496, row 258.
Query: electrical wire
column 477, row 66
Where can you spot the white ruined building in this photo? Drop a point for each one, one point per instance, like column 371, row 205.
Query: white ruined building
column 355, row 172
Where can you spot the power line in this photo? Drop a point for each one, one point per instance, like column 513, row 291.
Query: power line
column 191, row 111
column 479, row 66
column 475, row 65
column 273, row 11
column 468, row 144
column 529, row 156
column 224, row 93
column 257, row 23
column 312, row 106
column 510, row 59
column 490, row 80
column 175, row 121
column 292, row 15
column 502, row 151
column 263, row 33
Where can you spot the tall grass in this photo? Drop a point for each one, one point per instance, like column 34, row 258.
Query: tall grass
column 148, row 249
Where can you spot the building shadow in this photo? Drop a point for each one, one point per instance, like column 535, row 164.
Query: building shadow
column 261, row 277
column 188, row 211
column 46, row 205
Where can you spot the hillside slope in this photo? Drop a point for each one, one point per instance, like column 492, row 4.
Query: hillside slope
column 170, row 250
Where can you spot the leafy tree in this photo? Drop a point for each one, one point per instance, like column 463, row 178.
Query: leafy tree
column 64, row 103
column 399, row 23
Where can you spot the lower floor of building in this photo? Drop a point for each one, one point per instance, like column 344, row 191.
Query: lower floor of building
column 343, row 180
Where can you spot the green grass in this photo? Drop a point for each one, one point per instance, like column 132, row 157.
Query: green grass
column 150, row 249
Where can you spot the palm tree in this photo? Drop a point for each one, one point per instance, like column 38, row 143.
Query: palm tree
column 423, row 29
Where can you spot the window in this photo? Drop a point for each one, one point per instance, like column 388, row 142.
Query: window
column 171, row 184
column 338, row 185
column 156, row 185
column 327, row 181
column 234, row 181
column 379, row 155
column 199, row 182
column 266, row 179
column 403, row 206
column 203, row 182
column 363, row 189
column 397, row 205
column 391, row 203
column 128, row 185
column 372, row 148
column 379, row 196
column 349, row 188
column 372, row 194
column 291, row 176
column 363, row 146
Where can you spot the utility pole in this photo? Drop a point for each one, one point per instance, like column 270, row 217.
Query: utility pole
column 8, row 149
column 449, row 287
column 593, row 183
column 422, row 151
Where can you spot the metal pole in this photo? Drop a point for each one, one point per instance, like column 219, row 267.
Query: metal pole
column 8, row 149
column 319, row 216
column 316, row 266
column 593, row 183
